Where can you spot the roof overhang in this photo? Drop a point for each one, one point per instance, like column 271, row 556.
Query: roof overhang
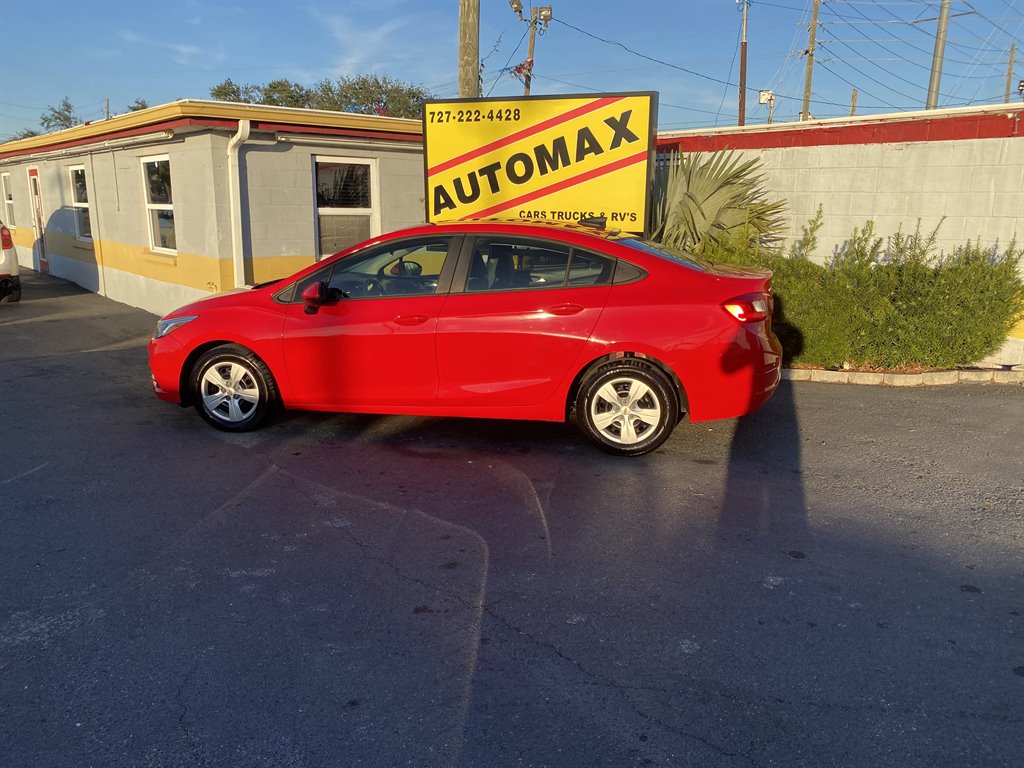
column 190, row 115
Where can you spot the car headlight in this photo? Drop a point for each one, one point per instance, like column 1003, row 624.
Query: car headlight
column 167, row 324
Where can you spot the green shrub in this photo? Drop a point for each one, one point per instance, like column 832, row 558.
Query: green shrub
column 888, row 302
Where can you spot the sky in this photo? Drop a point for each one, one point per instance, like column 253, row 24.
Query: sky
column 100, row 52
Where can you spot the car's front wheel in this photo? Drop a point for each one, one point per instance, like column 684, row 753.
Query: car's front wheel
column 627, row 407
column 232, row 388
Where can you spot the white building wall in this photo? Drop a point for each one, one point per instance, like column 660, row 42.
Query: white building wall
column 971, row 189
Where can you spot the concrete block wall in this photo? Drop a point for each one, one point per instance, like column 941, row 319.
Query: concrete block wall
column 281, row 209
column 971, row 190
column 961, row 170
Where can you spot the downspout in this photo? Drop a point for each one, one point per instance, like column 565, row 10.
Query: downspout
column 234, row 200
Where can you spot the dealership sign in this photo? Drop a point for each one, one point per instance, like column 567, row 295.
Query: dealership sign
column 561, row 158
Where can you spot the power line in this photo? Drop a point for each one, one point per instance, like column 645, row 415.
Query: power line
column 505, row 68
column 725, row 93
column 879, row 82
column 994, row 24
column 860, row 89
column 690, row 71
column 645, row 56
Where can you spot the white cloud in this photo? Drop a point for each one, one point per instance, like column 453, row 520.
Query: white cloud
column 184, row 54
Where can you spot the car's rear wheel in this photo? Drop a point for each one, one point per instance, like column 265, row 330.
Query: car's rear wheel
column 232, row 388
column 627, row 407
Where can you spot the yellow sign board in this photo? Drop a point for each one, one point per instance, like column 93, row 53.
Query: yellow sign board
column 561, row 158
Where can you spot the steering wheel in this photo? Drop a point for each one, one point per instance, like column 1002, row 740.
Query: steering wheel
column 372, row 287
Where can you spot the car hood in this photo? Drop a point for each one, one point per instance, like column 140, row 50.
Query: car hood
column 224, row 298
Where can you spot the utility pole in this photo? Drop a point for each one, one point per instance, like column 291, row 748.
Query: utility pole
column 805, row 112
column 853, row 103
column 537, row 14
column 528, row 75
column 743, row 66
column 469, row 49
column 937, row 56
column 1009, row 70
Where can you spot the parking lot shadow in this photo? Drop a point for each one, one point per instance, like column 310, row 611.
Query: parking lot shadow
column 764, row 490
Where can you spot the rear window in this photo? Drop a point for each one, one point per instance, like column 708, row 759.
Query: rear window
column 668, row 252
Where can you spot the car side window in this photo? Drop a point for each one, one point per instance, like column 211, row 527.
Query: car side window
column 503, row 264
column 590, row 269
column 408, row 268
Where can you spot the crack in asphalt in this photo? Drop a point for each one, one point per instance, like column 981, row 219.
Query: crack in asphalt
column 597, row 678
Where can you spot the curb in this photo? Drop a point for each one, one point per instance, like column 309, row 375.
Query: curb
column 930, row 379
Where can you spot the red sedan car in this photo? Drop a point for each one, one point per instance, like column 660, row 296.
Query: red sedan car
column 486, row 319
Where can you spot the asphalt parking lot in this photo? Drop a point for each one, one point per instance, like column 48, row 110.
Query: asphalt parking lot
column 837, row 580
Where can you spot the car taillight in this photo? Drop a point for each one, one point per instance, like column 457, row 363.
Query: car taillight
column 749, row 308
column 6, row 241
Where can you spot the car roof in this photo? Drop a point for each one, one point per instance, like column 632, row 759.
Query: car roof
column 597, row 229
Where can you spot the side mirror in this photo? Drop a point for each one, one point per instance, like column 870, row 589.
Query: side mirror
column 406, row 268
column 314, row 296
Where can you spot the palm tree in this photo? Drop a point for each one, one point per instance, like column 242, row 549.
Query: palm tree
column 702, row 203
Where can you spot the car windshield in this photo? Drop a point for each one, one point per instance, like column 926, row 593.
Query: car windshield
column 668, row 252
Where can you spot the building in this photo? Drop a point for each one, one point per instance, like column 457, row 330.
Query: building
column 159, row 207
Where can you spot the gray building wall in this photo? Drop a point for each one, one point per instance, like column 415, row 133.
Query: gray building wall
column 279, row 213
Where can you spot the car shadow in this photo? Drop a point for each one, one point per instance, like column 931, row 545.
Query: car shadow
column 764, row 491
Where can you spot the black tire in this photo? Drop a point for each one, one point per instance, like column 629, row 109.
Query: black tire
column 627, row 407
column 232, row 389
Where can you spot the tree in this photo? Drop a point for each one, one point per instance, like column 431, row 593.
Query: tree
column 367, row 94
column 24, row 133
column 60, row 117
column 137, row 105
column 372, row 95
column 284, row 93
column 229, row 90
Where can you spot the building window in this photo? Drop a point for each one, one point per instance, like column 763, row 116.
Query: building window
column 80, row 203
column 5, row 190
column 346, row 194
column 156, row 178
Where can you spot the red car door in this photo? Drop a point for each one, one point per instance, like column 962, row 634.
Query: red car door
column 372, row 346
column 513, row 334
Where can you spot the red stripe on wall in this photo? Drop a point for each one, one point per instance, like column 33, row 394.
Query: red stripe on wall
column 524, row 133
column 625, row 162
column 992, row 126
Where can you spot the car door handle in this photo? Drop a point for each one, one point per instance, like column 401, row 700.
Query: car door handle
column 411, row 319
column 564, row 309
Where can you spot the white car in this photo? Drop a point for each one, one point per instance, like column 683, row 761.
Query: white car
column 10, row 281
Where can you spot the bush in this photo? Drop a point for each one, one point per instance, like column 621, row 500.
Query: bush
column 889, row 303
